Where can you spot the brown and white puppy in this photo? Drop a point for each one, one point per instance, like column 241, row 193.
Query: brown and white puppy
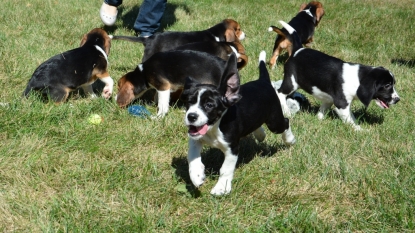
column 304, row 23
column 80, row 67
column 166, row 72
column 227, row 31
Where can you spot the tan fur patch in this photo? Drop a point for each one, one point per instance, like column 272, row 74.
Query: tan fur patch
column 125, row 92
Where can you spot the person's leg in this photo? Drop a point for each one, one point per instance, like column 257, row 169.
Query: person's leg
column 108, row 11
column 149, row 17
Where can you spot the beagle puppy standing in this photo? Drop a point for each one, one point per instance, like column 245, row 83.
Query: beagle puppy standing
column 304, row 23
column 166, row 72
column 226, row 31
column 80, row 67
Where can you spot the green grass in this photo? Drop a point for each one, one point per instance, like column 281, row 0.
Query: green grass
column 58, row 173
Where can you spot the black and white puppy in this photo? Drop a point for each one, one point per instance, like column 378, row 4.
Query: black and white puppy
column 333, row 81
column 219, row 116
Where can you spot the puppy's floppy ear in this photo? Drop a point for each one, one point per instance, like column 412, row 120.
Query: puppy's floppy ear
column 125, row 92
column 230, row 83
column 302, row 7
column 368, row 86
column 107, row 44
column 84, row 38
column 319, row 13
column 230, row 35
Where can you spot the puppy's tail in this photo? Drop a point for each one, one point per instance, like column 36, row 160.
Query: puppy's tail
column 130, row 38
column 263, row 72
column 290, row 34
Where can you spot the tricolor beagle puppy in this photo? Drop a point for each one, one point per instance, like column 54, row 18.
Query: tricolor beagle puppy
column 227, row 31
column 304, row 23
column 80, row 67
column 333, row 81
column 166, row 72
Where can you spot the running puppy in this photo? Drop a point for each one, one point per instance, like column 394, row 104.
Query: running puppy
column 333, row 81
column 219, row 116
column 304, row 23
column 228, row 30
column 80, row 67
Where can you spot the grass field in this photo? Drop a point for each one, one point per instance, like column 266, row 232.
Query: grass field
column 58, row 173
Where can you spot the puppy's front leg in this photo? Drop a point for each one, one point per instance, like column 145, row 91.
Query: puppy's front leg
column 163, row 102
column 196, row 167
column 109, row 85
column 283, row 100
column 224, row 184
column 347, row 116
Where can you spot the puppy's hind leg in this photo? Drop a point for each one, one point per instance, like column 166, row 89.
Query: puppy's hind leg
column 323, row 109
column 259, row 134
column 281, row 125
column 58, row 94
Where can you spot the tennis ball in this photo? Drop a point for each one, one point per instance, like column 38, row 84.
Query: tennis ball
column 95, row 119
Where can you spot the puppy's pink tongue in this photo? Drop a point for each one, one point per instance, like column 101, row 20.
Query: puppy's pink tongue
column 383, row 104
column 202, row 129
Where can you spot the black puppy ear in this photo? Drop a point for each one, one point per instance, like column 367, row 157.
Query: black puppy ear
column 365, row 93
column 230, row 83
column 368, row 87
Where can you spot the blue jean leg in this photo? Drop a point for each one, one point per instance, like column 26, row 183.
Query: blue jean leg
column 149, row 17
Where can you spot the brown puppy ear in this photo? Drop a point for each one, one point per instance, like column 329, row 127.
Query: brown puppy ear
column 107, row 44
column 319, row 14
column 230, row 35
column 302, row 7
column 84, row 38
column 125, row 92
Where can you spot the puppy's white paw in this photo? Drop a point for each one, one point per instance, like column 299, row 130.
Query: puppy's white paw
column 288, row 137
column 357, row 128
column 197, row 174
column 107, row 92
column 286, row 111
column 222, row 187
column 320, row 115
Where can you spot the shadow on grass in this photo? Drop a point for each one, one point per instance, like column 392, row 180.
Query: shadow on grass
column 129, row 17
column 404, row 62
column 361, row 115
column 213, row 158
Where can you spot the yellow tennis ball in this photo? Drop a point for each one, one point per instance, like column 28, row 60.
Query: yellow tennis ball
column 95, row 119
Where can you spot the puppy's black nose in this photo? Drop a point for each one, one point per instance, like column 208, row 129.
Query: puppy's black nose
column 192, row 117
column 396, row 100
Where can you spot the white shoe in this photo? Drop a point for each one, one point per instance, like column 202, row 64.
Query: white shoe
column 106, row 18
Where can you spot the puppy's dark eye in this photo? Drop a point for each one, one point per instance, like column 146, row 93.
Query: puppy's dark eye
column 388, row 86
column 209, row 105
